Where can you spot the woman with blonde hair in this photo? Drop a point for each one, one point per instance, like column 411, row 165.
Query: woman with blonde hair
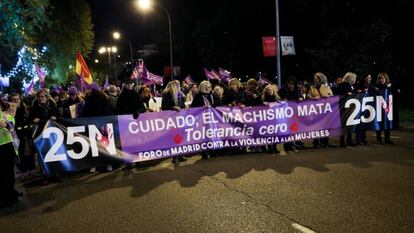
column 270, row 94
column 172, row 100
column 171, row 97
column 235, row 95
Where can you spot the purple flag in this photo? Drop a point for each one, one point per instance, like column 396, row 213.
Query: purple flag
column 106, row 84
column 156, row 79
column 30, row 88
column 210, row 75
column 79, row 83
column 262, row 81
column 225, row 75
column 134, row 74
column 41, row 74
column 215, row 74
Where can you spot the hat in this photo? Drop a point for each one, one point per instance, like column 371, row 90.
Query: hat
column 72, row 91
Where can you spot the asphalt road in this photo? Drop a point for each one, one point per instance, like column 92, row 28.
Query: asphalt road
column 362, row 189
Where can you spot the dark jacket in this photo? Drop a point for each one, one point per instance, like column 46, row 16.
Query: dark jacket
column 69, row 102
column 44, row 112
column 96, row 104
column 199, row 100
column 287, row 94
column 168, row 102
column 235, row 98
column 129, row 102
column 344, row 88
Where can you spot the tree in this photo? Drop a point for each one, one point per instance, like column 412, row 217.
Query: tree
column 20, row 22
column 63, row 27
column 70, row 31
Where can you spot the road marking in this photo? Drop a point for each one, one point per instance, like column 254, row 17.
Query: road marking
column 302, row 228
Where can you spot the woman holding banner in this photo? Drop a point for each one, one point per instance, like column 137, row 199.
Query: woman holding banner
column 172, row 99
column 346, row 90
column 318, row 90
column 383, row 87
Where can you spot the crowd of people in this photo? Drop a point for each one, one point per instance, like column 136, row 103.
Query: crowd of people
column 33, row 111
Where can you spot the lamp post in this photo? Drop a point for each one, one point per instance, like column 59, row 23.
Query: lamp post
column 279, row 73
column 117, row 36
column 145, row 5
column 109, row 50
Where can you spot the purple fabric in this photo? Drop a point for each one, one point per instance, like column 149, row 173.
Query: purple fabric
column 41, row 74
column 225, row 75
column 200, row 126
column 106, row 84
column 210, row 75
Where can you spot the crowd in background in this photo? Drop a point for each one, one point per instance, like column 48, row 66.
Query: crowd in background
column 33, row 111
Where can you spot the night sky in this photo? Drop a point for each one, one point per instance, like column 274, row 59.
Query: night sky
column 244, row 24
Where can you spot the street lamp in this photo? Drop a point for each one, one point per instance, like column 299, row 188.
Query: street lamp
column 109, row 50
column 279, row 73
column 146, row 5
column 117, row 36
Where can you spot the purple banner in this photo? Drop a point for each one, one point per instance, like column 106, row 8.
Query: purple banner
column 170, row 133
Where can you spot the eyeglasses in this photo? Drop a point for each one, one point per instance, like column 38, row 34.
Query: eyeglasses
column 42, row 96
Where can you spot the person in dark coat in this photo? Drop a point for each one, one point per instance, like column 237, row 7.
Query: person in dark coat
column 345, row 90
column 218, row 94
column 44, row 108
column 204, row 96
column 253, row 95
column 96, row 103
column 113, row 99
column 383, row 87
column 235, row 95
column 129, row 101
column 73, row 99
column 290, row 90
column 365, row 88
column 8, row 194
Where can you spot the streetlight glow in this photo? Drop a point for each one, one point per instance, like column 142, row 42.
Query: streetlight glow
column 102, row 50
column 144, row 4
column 96, row 61
column 116, row 35
column 114, row 49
